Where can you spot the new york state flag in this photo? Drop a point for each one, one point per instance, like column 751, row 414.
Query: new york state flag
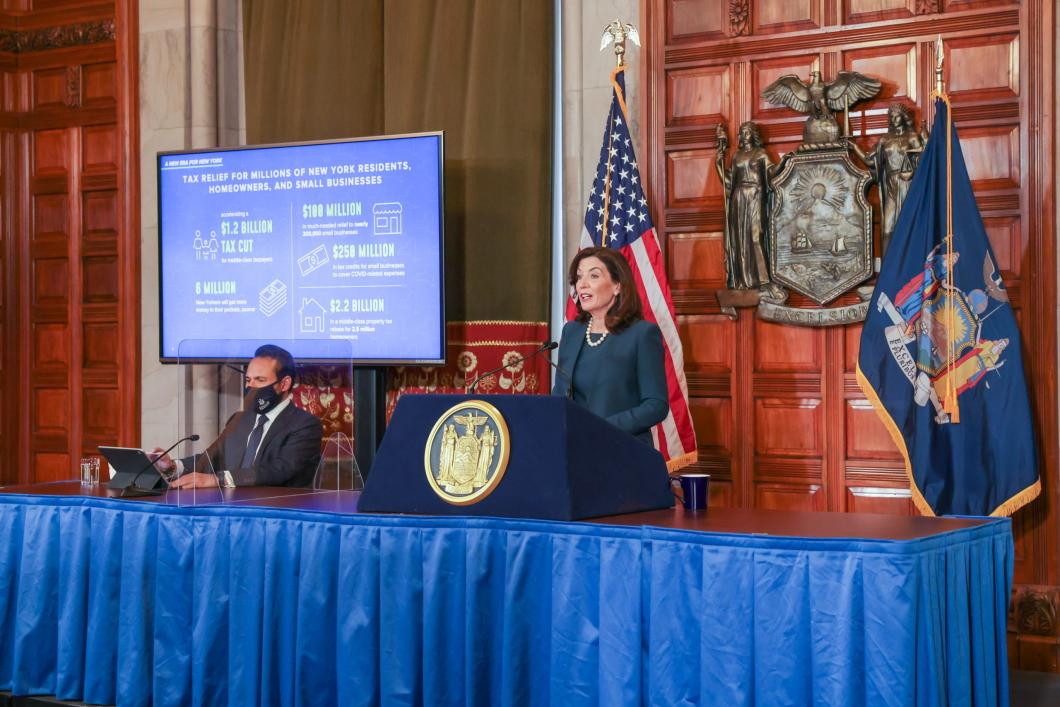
column 940, row 350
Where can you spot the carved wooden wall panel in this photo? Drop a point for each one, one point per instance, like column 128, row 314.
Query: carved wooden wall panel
column 855, row 11
column 983, row 67
column 786, row 349
column 711, row 339
column 958, row 5
column 1006, row 240
column 700, row 19
column 69, row 121
column 99, row 150
column 867, row 438
column 693, row 177
column 992, row 156
column 49, row 88
column 780, row 418
column 51, row 154
column 774, row 16
column 697, row 260
column 99, row 84
column 787, row 427
column 699, row 96
column 49, row 216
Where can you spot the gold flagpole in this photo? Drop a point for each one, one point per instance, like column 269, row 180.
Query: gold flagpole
column 950, row 404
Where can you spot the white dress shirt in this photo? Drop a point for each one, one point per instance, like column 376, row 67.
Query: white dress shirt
column 270, row 416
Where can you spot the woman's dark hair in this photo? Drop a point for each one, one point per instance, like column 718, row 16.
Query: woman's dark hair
column 626, row 308
column 285, row 365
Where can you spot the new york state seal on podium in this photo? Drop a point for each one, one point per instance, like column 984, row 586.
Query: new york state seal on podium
column 466, row 453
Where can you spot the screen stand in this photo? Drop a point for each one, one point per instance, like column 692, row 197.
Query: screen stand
column 369, row 414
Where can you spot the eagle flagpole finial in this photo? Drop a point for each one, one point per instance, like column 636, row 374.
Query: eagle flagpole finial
column 618, row 32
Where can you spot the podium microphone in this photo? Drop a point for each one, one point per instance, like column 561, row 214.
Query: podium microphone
column 560, row 371
column 134, row 490
column 546, row 346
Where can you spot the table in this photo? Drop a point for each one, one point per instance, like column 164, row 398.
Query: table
column 285, row 596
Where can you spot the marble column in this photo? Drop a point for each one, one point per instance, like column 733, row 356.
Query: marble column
column 587, row 98
column 190, row 97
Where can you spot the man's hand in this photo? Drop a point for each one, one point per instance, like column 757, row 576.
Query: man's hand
column 162, row 462
column 195, row 480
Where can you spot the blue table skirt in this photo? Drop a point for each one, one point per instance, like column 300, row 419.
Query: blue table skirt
column 140, row 604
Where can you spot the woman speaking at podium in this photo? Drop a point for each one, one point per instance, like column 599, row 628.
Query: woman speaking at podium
column 610, row 358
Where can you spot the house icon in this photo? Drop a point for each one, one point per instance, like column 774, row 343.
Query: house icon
column 311, row 317
column 386, row 219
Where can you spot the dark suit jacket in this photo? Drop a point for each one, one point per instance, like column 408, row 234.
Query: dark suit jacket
column 628, row 390
column 288, row 455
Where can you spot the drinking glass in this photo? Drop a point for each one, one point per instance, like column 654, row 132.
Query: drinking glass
column 89, row 471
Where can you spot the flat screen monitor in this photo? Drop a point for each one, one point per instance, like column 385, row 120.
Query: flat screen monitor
column 334, row 246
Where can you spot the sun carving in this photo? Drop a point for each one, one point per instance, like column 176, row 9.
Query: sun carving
column 819, row 184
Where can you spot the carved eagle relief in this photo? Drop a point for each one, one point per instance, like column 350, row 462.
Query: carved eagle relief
column 819, row 98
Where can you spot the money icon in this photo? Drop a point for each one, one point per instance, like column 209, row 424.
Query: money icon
column 272, row 298
column 312, row 260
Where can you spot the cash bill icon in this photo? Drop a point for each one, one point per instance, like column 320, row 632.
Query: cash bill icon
column 272, row 298
column 312, row 260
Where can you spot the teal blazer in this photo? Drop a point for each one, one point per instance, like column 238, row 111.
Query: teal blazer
column 629, row 388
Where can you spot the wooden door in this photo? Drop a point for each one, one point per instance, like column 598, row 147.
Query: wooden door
column 70, row 367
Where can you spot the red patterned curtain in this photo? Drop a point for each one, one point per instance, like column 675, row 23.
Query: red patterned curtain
column 327, row 392
column 473, row 349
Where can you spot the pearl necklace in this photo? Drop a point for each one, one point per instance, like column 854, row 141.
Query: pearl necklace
column 589, row 338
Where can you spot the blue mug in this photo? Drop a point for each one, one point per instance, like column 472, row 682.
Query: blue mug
column 694, row 491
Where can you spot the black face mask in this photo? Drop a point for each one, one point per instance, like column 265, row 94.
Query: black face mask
column 264, row 399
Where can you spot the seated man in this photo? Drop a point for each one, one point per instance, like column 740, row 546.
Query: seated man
column 270, row 443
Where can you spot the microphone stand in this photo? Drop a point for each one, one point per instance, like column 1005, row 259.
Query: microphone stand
column 132, row 490
column 547, row 346
column 561, row 372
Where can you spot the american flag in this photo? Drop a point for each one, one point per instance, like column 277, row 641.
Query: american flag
column 617, row 216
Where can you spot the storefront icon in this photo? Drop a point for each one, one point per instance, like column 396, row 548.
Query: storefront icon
column 386, row 219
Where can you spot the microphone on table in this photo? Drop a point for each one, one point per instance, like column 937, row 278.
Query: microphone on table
column 546, row 346
column 134, row 490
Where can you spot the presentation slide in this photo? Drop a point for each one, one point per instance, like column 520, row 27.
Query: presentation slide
column 336, row 242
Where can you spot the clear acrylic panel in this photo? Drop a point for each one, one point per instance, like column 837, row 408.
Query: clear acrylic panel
column 338, row 469
column 203, row 485
column 214, row 402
